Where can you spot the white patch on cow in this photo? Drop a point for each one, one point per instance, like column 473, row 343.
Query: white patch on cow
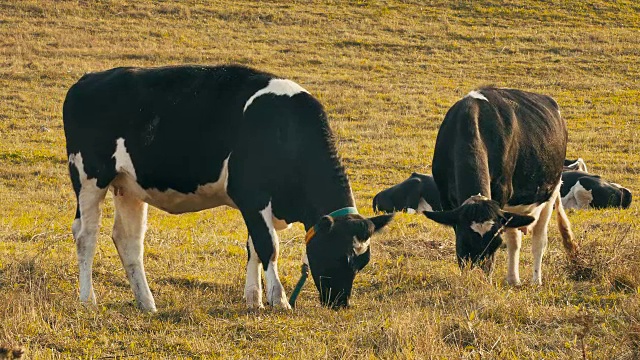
column 483, row 227
column 76, row 159
column 275, row 291
column 277, row 87
column 123, row 159
column 477, row 95
column 360, row 247
column 411, row 211
column 206, row 196
column 423, row 205
column 577, row 198
column 616, row 185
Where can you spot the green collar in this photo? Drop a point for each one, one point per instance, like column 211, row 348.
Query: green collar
column 340, row 212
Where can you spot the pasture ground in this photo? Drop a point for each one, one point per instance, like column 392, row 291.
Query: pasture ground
column 387, row 71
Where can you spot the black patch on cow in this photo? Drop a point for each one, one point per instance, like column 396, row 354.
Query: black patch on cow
column 75, row 182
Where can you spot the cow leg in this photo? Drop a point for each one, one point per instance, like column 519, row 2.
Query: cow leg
column 266, row 244
column 570, row 247
column 253, row 284
column 128, row 235
column 513, row 238
column 539, row 240
column 85, row 231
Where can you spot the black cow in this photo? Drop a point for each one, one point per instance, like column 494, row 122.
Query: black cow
column 189, row 138
column 497, row 163
column 577, row 164
column 416, row 194
column 581, row 190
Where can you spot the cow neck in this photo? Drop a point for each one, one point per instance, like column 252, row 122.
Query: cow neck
column 327, row 189
column 331, row 199
column 473, row 179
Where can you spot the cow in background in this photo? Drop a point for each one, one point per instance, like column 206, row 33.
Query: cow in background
column 498, row 159
column 418, row 193
column 581, row 190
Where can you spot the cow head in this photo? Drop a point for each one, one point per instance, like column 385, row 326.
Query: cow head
column 478, row 224
column 337, row 251
column 626, row 198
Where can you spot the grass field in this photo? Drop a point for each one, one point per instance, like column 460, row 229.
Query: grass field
column 387, row 71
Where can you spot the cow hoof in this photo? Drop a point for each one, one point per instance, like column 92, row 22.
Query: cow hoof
column 254, row 298
column 148, row 308
column 89, row 300
column 514, row 282
column 278, row 299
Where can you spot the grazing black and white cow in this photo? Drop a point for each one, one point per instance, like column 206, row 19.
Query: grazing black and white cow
column 416, row 194
column 497, row 163
column 581, row 190
column 189, row 138
column 578, row 164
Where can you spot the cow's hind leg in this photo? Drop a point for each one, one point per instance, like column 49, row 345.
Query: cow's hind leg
column 539, row 240
column 85, row 230
column 128, row 235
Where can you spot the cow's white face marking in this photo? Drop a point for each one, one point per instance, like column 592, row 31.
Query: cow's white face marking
column 277, row 87
column 123, row 160
column 483, row 227
column 423, row 205
column 360, row 247
column 477, row 95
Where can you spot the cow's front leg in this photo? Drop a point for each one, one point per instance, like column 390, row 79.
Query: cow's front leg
column 253, row 284
column 513, row 238
column 266, row 245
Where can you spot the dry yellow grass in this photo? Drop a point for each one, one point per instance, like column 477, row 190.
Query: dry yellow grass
column 386, row 71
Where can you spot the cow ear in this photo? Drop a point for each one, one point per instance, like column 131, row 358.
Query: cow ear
column 512, row 220
column 325, row 224
column 380, row 221
column 442, row 217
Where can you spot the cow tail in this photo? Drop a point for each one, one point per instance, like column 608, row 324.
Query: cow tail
column 570, row 247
